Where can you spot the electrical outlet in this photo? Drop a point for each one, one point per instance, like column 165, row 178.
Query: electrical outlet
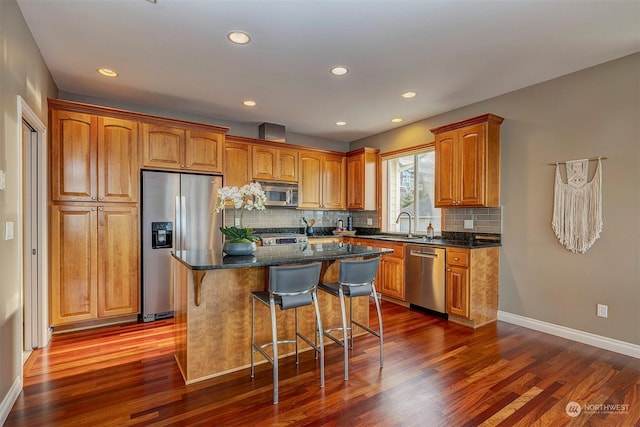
column 237, row 222
column 369, row 221
column 2, row 180
column 468, row 224
column 603, row 310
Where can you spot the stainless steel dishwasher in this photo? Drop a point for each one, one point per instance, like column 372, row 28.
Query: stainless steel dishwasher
column 425, row 276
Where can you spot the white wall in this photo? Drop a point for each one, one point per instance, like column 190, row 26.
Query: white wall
column 23, row 73
column 593, row 112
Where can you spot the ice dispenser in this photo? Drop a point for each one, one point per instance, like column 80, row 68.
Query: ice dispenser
column 161, row 235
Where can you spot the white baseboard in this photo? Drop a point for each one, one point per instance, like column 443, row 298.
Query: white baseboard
column 599, row 341
column 10, row 399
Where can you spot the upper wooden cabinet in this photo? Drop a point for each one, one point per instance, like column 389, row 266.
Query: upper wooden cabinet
column 467, row 170
column 170, row 147
column 322, row 183
column 362, row 179
column 237, row 160
column 93, row 158
column 275, row 164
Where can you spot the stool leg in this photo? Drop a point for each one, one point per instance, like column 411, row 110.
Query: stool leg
column 296, row 328
column 274, row 335
column 351, row 323
column 375, row 298
column 314, row 296
column 253, row 314
column 345, row 338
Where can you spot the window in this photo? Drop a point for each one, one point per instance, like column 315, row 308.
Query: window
column 408, row 186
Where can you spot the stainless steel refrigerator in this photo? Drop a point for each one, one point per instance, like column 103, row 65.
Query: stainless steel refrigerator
column 177, row 214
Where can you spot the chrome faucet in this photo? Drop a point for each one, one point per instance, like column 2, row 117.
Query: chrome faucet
column 410, row 221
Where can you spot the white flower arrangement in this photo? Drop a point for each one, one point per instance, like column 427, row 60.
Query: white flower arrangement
column 248, row 197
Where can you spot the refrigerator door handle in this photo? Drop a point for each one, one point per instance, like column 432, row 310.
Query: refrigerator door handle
column 183, row 223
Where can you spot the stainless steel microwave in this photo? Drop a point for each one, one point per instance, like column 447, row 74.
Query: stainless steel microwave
column 280, row 194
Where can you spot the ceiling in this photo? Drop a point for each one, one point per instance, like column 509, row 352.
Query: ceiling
column 174, row 55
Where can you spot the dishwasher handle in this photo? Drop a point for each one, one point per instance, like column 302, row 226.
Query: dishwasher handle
column 423, row 254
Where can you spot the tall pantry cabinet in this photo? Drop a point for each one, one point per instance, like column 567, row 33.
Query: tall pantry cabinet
column 94, row 183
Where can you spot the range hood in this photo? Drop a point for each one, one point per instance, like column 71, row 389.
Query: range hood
column 272, row 132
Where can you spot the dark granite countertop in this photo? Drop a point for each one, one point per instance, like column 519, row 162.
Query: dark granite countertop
column 421, row 240
column 275, row 255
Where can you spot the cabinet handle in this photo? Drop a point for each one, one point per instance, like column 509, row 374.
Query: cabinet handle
column 93, row 209
column 100, row 209
column 456, row 259
column 93, row 197
column 101, row 198
column 448, row 269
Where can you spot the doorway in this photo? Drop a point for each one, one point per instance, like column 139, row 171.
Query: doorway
column 35, row 331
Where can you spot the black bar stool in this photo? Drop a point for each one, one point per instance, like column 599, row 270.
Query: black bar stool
column 356, row 279
column 289, row 287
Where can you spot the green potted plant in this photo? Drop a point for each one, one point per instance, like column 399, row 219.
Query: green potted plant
column 240, row 240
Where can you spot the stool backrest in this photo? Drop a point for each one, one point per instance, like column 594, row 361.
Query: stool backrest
column 359, row 274
column 294, row 284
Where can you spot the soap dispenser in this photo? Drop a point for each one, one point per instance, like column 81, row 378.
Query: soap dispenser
column 339, row 225
column 429, row 231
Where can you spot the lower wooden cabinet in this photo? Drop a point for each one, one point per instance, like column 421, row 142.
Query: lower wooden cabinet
column 390, row 279
column 94, row 262
column 472, row 285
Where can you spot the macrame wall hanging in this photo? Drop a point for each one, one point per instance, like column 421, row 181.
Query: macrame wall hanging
column 577, row 205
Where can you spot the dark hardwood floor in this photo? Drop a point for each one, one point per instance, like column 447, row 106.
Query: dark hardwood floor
column 435, row 374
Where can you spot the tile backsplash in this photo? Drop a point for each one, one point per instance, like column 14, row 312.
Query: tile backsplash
column 485, row 220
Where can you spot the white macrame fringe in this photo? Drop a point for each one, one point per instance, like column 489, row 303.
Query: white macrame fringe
column 577, row 211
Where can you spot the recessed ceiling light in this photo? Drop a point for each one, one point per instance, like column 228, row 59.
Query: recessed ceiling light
column 107, row 72
column 339, row 70
column 409, row 94
column 249, row 103
column 341, row 123
column 239, row 37
column 396, row 120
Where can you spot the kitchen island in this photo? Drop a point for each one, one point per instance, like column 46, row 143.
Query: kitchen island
column 213, row 307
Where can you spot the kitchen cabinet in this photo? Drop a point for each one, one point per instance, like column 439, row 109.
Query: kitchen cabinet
column 275, row 164
column 93, row 158
column 174, row 147
column 390, row 280
column 362, row 179
column 467, row 165
column 472, row 285
column 322, row 183
column 94, row 262
column 237, row 160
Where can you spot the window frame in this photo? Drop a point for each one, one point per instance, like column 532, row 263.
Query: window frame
column 384, row 215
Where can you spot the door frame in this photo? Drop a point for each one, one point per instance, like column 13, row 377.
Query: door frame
column 35, row 295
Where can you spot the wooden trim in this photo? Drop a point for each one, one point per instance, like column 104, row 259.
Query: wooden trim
column 281, row 145
column 472, row 121
column 114, row 112
column 407, row 150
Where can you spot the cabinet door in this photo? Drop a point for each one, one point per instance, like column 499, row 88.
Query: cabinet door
column 471, row 170
column 237, row 157
column 310, row 186
column 73, row 264
column 264, row 162
column 391, row 277
column 203, row 151
column 162, row 146
column 446, row 170
column 118, row 169
column 355, row 182
column 118, row 255
column 287, row 165
column 73, row 156
column 457, row 283
column 334, row 195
